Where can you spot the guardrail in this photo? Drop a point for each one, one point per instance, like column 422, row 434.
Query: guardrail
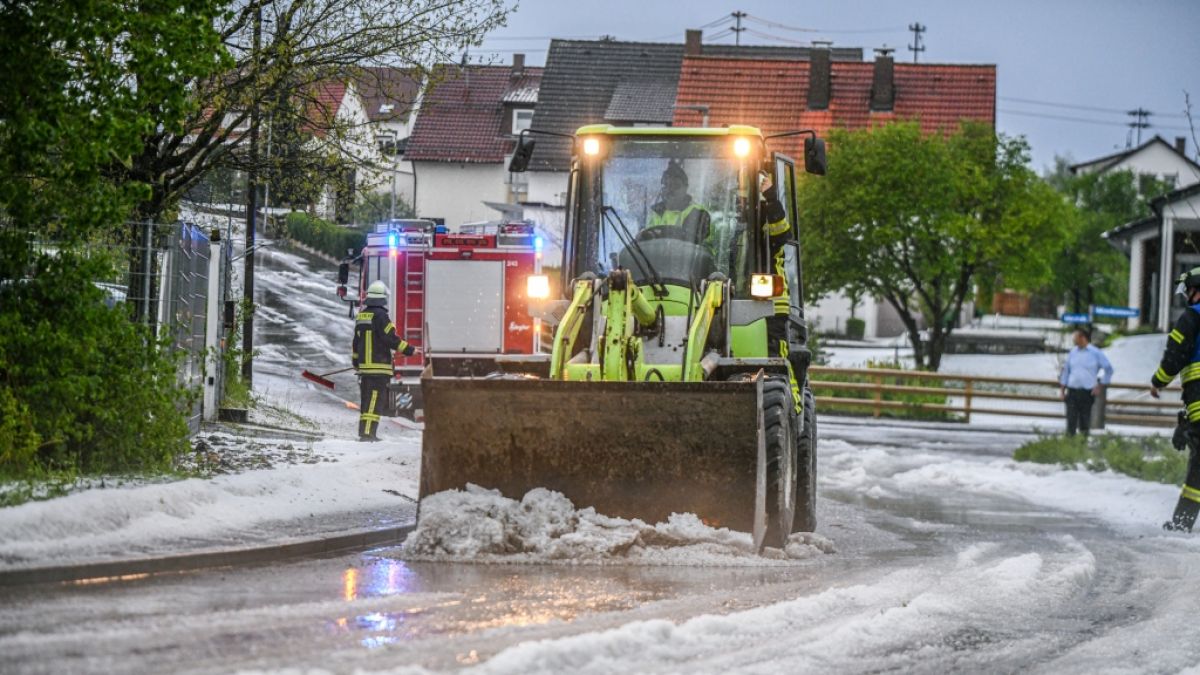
column 964, row 397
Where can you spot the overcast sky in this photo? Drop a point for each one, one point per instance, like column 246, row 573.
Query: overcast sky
column 1085, row 60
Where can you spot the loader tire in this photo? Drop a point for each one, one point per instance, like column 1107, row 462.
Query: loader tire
column 806, row 469
column 780, row 421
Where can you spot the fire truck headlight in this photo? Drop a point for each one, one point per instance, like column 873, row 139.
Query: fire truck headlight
column 537, row 286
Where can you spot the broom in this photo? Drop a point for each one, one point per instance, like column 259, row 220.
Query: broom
column 323, row 379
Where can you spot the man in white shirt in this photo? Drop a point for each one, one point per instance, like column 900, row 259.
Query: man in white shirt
column 1080, row 381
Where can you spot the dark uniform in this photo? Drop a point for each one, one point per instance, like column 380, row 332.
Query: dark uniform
column 774, row 217
column 374, row 340
column 1182, row 357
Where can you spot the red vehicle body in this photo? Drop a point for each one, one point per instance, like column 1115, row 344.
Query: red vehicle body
column 460, row 298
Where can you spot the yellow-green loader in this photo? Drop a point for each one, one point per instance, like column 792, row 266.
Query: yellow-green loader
column 677, row 378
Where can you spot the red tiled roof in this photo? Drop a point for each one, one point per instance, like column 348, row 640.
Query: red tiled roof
column 459, row 120
column 323, row 103
column 773, row 95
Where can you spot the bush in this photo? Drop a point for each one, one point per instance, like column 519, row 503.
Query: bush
column 855, row 328
column 1146, row 457
column 82, row 389
column 906, row 412
column 324, row 236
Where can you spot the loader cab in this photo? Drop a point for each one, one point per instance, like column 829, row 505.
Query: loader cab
column 673, row 206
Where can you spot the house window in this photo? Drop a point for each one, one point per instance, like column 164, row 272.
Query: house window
column 522, row 119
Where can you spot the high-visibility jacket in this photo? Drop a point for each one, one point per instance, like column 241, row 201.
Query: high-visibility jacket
column 778, row 229
column 1182, row 358
column 693, row 218
column 374, row 340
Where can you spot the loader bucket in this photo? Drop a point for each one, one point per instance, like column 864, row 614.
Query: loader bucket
column 629, row 449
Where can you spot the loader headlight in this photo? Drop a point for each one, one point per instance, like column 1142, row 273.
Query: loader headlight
column 537, row 286
column 591, row 146
column 765, row 286
column 741, row 146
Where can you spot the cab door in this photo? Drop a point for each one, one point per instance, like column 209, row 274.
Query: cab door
column 785, row 189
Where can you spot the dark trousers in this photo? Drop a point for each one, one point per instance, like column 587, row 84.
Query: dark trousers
column 1189, row 500
column 1079, row 410
column 373, row 399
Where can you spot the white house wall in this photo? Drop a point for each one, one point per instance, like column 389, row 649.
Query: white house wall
column 547, row 187
column 456, row 192
column 1161, row 161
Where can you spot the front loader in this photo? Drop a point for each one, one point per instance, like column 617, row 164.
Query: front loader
column 677, row 378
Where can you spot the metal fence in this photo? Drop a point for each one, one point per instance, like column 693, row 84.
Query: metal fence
column 166, row 276
column 881, row 390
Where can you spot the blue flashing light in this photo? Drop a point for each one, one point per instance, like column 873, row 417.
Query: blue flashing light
column 537, row 243
column 441, row 229
column 393, row 240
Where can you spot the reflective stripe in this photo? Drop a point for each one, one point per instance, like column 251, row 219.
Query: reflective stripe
column 369, row 368
column 778, row 227
column 1193, row 415
column 1189, row 373
column 1191, row 493
column 374, row 400
column 1161, row 375
column 679, row 217
column 1176, row 336
column 391, row 327
column 369, row 417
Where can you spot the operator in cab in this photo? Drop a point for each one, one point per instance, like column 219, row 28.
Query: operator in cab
column 677, row 209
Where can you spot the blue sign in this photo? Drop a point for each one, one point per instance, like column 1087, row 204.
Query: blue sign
column 1074, row 318
column 1116, row 312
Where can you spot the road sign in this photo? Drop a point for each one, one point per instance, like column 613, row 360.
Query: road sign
column 1074, row 318
column 1116, row 312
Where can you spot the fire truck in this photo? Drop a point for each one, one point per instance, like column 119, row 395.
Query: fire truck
column 461, row 298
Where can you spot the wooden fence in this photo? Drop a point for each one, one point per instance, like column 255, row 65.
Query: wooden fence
column 961, row 395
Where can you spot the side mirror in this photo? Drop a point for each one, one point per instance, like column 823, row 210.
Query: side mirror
column 343, row 274
column 522, row 155
column 814, row 155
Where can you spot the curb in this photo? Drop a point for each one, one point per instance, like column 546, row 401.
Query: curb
column 122, row 570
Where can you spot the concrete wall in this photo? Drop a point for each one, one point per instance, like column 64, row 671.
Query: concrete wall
column 456, row 192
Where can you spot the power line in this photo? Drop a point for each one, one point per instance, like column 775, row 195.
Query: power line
column 1084, row 120
column 768, row 36
column 798, row 29
column 1075, row 106
column 1142, row 122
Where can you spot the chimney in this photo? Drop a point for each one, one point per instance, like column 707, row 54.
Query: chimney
column 819, row 75
column 691, row 42
column 1181, row 144
column 883, row 84
column 518, row 66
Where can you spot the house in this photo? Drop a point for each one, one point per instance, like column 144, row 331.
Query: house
column 336, row 119
column 390, row 96
column 1167, row 242
column 821, row 93
column 1155, row 157
column 464, row 135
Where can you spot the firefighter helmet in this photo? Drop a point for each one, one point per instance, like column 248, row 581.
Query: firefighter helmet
column 1187, row 281
column 377, row 289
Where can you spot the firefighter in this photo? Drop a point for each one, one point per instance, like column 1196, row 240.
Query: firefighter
column 1182, row 357
column 774, row 220
column 676, row 208
column 374, row 340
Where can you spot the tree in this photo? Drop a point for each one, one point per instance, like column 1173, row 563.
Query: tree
column 918, row 220
column 285, row 55
column 1089, row 270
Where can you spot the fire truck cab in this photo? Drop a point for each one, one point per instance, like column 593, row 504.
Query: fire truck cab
column 461, row 298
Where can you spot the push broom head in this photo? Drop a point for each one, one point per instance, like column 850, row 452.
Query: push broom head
column 321, row 380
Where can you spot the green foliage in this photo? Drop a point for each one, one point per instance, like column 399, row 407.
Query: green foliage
column 376, row 207
column 855, row 328
column 1146, row 457
column 323, row 235
column 912, row 412
column 1088, row 269
column 81, row 387
column 919, row 220
column 237, row 392
column 85, row 83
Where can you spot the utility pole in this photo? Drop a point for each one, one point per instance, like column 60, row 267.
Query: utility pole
column 251, row 222
column 916, row 47
column 1142, row 121
column 737, row 30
